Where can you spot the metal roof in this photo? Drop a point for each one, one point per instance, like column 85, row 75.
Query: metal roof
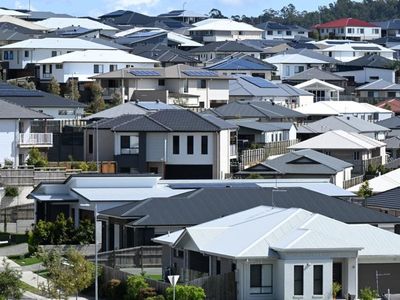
column 241, row 62
column 316, row 73
column 381, row 183
column 392, row 123
column 371, row 61
column 12, row 111
column 378, row 85
column 225, row 46
column 262, row 126
column 56, row 22
column 393, row 142
column 385, row 200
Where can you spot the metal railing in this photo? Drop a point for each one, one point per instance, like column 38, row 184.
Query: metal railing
column 35, row 139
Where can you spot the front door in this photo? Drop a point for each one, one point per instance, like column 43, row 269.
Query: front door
column 337, row 276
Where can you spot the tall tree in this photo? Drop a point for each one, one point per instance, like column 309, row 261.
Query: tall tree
column 10, row 287
column 54, row 86
column 97, row 103
column 73, row 90
column 216, row 14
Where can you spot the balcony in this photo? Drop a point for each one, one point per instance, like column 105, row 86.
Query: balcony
column 28, row 140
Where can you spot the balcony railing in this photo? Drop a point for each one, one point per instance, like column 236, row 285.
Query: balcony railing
column 35, row 140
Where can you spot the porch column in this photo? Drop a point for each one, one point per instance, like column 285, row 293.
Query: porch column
column 352, row 278
column 76, row 215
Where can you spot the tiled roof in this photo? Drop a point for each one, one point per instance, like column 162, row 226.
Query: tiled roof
column 392, row 104
column 345, row 22
column 226, row 46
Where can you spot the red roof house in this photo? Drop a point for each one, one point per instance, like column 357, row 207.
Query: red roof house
column 345, row 22
column 392, row 104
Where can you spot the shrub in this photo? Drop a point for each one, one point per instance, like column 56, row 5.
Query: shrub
column 254, row 176
column 36, row 158
column 92, row 166
column 11, row 191
column 115, row 289
column 8, row 162
column 368, row 294
column 158, row 297
column 186, row 292
column 9, row 283
column 134, row 287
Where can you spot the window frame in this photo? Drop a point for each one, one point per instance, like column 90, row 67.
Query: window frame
column 204, row 144
column 190, row 144
column 300, row 279
column 176, row 144
column 268, row 273
column 318, row 281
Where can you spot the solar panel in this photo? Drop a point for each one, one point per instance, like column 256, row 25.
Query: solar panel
column 200, row 73
column 366, row 48
column 259, row 82
column 145, row 73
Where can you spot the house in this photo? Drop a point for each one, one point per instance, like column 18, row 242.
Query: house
column 379, row 90
column 386, row 202
column 178, row 84
column 346, row 123
column 38, row 15
column 389, row 28
column 59, row 108
column 9, row 36
column 303, row 164
column 274, row 30
column 387, row 41
column 291, row 64
column 366, row 69
column 16, row 135
column 75, row 32
column 12, row 13
column 265, row 111
column 243, row 64
column 277, row 251
column 20, row 25
column 223, row 49
column 126, row 17
column 27, row 53
column 175, row 143
column 185, row 16
column 167, row 56
column 54, row 23
column 322, row 90
column 354, row 148
column 349, row 28
column 350, row 51
column 393, row 124
column 82, row 65
column 391, row 104
column 218, row 30
column 247, row 88
column 393, row 147
column 382, row 183
column 319, row 74
column 364, row 111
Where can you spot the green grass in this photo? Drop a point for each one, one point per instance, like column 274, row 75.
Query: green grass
column 25, row 261
column 154, row 277
column 29, row 288
column 43, row 273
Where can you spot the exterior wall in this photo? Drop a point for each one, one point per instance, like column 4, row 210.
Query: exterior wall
column 364, row 76
column 156, row 149
column 206, row 56
column 378, row 94
column 267, row 74
column 223, row 156
column 8, row 139
column 346, row 56
column 283, row 34
column 106, row 145
column 288, row 70
column 357, row 33
column 219, row 36
column 367, row 276
column 58, row 112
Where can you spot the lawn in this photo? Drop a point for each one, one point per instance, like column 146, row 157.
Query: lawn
column 43, row 273
column 25, row 261
column 154, row 277
column 29, row 288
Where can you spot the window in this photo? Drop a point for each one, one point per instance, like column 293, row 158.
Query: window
column 260, row 279
column 202, row 84
column 204, row 144
column 8, row 55
column 350, row 30
column 90, row 144
column 298, row 280
column 356, row 155
column 161, row 82
column 190, row 142
column 47, row 69
column 113, row 68
column 287, row 71
column 375, row 31
column 186, row 86
column 370, row 94
column 66, row 112
column 53, row 53
column 362, row 30
column 97, row 69
column 391, row 94
column 299, row 69
column 269, row 32
column 318, row 278
column 288, row 32
column 26, row 53
column 373, row 78
column 129, row 144
column 279, row 31
column 175, row 144
column 59, row 66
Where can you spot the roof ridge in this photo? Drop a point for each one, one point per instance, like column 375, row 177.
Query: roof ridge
column 157, row 122
column 124, row 123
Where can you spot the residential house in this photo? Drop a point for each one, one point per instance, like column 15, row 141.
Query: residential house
column 364, row 111
column 276, row 252
column 75, row 32
column 175, row 143
column 346, row 123
column 349, row 28
column 378, row 90
column 319, row 74
column 178, row 84
column 82, row 65
column 386, row 202
column 22, row 26
column 393, row 124
column 12, row 13
column 387, row 41
column 391, row 104
column 185, row 16
column 243, row 64
column 389, row 28
column 16, row 136
column 126, row 18
column 56, row 22
column 247, row 88
column 290, row 64
column 303, row 164
column 366, row 69
column 322, row 90
column 223, row 49
column 357, row 149
column 38, row 15
column 265, row 111
column 393, row 147
column 217, row 30
column 350, row 51
column 382, row 183
column 274, row 30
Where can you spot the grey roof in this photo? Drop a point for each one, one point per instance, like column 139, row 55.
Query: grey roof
column 225, row 46
column 12, row 111
column 392, row 123
column 271, row 25
column 262, row 126
column 379, row 85
column 164, row 54
column 386, row 200
column 42, row 15
column 313, row 54
column 182, row 13
column 170, row 120
column 241, row 61
column 393, row 24
column 255, row 109
column 316, row 73
column 371, row 61
column 263, row 44
column 7, row 34
column 347, row 123
column 210, row 203
column 300, row 162
column 105, row 42
column 393, row 142
column 128, row 108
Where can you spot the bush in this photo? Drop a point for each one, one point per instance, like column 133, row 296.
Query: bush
column 115, row 289
column 186, row 292
column 8, row 162
column 368, row 294
column 134, row 287
column 158, row 297
column 11, row 191
column 10, row 287
column 36, row 158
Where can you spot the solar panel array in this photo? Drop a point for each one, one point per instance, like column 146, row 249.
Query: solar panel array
column 145, row 73
column 259, row 82
column 200, row 73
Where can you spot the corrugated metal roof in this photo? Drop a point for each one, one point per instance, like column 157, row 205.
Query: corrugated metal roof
column 381, row 183
column 12, row 111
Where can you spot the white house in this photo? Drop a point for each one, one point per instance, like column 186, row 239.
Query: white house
column 217, row 30
column 274, row 30
column 379, row 89
column 349, row 28
column 20, row 54
column 286, row 253
column 382, row 183
column 350, row 51
column 322, row 90
column 16, row 138
column 85, row 64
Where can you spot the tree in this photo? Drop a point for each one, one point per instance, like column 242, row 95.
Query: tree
column 365, row 190
column 73, row 90
column 216, row 14
column 24, row 83
column 10, row 287
column 116, row 99
column 36, row 158
column 67, row 276
column 54, row 86
column 97, row 102
column 368, row 294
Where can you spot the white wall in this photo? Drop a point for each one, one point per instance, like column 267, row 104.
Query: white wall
column 73, row 113
column 283, row 34
column 347, row 56
column 363, row 76
column 8, row 132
